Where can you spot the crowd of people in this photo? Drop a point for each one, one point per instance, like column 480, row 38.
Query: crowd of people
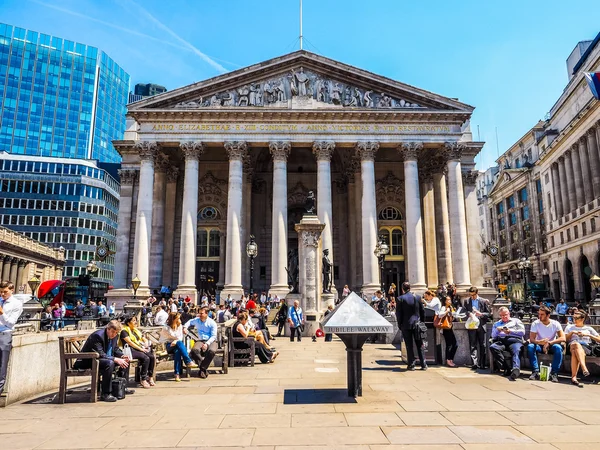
column 508, row 334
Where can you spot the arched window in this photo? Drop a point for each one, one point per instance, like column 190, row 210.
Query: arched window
column 390, row 213
column 208, row 213
column 394, row 237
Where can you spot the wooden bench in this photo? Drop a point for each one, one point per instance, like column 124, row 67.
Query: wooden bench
column 240, row 355
column 70, row 350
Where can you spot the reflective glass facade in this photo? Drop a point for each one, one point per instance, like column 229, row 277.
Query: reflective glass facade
column 59, row 98
column 61, row 203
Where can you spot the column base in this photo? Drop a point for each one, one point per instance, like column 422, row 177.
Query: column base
column 417, row 288
column 326, row 300
column 185, row 291
column 236, row 292
column 280, row 290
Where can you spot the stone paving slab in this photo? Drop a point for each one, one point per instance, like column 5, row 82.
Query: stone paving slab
column 292, row 405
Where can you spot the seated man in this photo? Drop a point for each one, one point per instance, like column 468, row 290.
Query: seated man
column 105, row 342
column 204, row 349
column 507, row 334
column 160, row 319
column 546, row 336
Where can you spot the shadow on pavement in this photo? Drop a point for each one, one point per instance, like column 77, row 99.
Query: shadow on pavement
column 316, row 396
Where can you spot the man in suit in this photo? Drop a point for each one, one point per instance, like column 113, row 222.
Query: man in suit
column 480, row 308
column 409, row 311
column 105, row 343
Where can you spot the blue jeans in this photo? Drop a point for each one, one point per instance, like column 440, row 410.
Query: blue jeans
column 555, row 350
column 180, row 353
column 498, row 348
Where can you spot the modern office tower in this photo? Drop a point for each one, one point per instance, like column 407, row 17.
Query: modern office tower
column 69, row 203
column 145, row 90
column 59, row 98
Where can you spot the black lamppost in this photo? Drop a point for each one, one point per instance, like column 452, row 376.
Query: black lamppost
column 251, row 251
column 524, row 265
column 381, row 249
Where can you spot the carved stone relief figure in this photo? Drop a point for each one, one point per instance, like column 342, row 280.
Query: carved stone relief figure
column 336, row 94
column 254, row 96
column 367, row 99
column 228, row 99
column 214, row 100
column 357, row 97
column 279, row 90
column 323, row 92
column 302, row 81
column 269, row 93
column 385, row 101
column 244, row 94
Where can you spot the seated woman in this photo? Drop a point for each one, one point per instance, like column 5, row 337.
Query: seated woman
column 140, row 350
column 240, row 331
column 254, row 329
column 172, row 336
column 579, row 338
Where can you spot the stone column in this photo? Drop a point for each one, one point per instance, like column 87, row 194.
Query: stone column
column 442, row 225
column 21, row 263
column 6, row 268
column 351, row 273
column 570, row 181
column 588, row 187
column 458, row 224
column 158, row 221
column 578, row 176
column 556, row 188
column 592, row 142
column 169, row 231
column 279, row 236
column 233, row 258
column 366, row 151
column 222, row 250
column 562, row 176
column 1, row 266
column 323, row 150
column 128, row 177
column 246, row 230
column 12, row 277
column 473, row 227
column 143, row 225
column 358, row 268
column 189, row 220
column 429, row 211
column 415, row 263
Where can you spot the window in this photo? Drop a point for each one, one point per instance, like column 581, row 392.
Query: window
column 541, row 205
column 562, row 238
column 523, row 195
column 501, row 223
column 513, row 218
column 214, row 243
column 202, row 243
column 396, row 248
column 510, row 202
column 583, row 229
column 390, row 213
column 500, row 208
column 568, row 235
column 209, row 213
column 525, row 212
column 575, row 232
column 538, row 186
column 593, row 225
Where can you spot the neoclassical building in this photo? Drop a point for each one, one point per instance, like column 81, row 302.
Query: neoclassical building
column 207, row 165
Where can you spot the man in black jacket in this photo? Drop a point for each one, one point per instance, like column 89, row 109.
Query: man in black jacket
column 105, row 343
column 478, row 307
column 409, row 311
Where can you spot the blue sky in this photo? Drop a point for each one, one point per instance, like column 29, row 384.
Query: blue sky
column 505, row 58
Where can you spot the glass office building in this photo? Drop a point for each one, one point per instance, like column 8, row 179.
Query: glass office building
column 70, row 203
column 59, row 98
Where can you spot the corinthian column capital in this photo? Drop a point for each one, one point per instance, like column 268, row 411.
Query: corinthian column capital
column 470, row 177
column 192, row 149
column 172, row 175
column 236, row 150
column 128, row 176
column 323, row 150
column 147, row 150
column 454, row 150
column 280, row 150
column 366, row 150
column 410, row 150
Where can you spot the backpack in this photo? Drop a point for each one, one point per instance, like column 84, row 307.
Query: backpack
column 118, row 387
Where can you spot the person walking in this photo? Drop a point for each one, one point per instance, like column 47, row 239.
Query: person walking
column 282, row 315
column 409, row 312
column 477, row 308
column 296, row 320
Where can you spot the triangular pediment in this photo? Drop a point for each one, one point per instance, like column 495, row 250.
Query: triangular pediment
column 300, row 80
column 507, row 177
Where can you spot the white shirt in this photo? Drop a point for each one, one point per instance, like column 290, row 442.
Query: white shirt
column 433, row 304
column 585, row 329
column 12, row 308
column 173, row 307
column 549, row 331
column 161, row 317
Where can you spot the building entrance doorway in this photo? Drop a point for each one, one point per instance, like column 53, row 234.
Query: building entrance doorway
column 393, row 272
column 207, row 274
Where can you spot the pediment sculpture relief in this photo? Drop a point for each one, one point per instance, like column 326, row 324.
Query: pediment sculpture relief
column 300, row 83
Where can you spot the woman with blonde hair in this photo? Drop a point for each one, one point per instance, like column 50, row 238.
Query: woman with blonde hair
column 172, row 336
column 240, row 330
column 579, row 339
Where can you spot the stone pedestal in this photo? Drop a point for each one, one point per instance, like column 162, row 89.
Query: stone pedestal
column 327, row 299
column 124, row 297
column 309, row 260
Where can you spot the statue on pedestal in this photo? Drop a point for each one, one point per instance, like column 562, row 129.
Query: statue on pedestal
column 310, row 203
column 326, row 272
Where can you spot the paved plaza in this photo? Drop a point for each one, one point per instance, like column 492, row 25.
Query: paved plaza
column 300, row 402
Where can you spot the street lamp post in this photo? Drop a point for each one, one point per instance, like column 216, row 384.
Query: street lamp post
column 251, row 251
column 381, row 249
column 524, row 265
column 34, row 283
column 595, row 306
column 135, row 284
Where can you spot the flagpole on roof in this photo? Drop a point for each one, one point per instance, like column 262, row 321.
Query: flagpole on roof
column 300, row 24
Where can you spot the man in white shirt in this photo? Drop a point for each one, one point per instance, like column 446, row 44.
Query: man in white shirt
column 546, row 335
column 10, row 311
column 161, row 317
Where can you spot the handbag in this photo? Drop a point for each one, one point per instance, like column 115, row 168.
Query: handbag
column 443, row 324
column 472, row 323
column 420, row 330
